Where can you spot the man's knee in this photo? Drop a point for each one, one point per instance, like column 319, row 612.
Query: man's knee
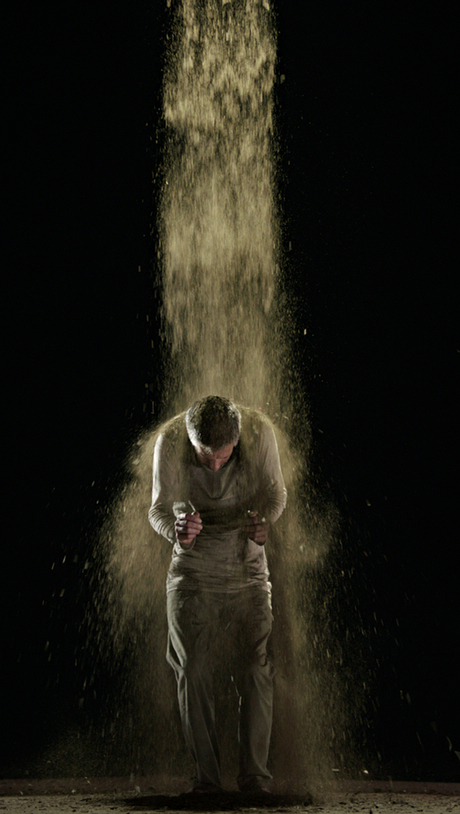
column 256, row 673
column 190, row 665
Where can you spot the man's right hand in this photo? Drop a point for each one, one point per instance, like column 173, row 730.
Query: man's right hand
column 187, row 526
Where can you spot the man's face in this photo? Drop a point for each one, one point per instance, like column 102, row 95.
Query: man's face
column 214, row 460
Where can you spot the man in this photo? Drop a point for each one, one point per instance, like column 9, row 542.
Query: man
column 217, row 487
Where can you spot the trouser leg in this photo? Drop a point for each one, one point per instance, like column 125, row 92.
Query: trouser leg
column 254, row 678
column 192, row 621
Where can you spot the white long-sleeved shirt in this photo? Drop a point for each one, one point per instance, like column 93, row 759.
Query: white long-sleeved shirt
column 221, row 558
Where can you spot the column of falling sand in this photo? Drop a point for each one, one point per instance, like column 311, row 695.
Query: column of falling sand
column 219, row 250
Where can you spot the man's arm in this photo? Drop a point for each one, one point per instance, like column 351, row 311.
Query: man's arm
column 166, row 514
column 272, row 495
column 164, row 484
column 273, row 490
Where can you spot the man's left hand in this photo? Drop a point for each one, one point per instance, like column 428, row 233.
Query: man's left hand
column 256, row 528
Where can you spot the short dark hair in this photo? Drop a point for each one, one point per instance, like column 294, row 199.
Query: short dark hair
column 213, row 422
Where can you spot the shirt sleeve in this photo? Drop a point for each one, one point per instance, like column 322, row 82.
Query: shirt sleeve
column 273, row 490
column 164, row 487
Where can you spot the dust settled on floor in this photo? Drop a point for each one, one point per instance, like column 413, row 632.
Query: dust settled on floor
column 359, row 803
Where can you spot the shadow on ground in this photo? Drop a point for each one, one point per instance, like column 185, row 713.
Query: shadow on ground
column 223, row 801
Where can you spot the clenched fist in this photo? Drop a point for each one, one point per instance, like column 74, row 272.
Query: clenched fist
column 256, row 528
column 187, row 526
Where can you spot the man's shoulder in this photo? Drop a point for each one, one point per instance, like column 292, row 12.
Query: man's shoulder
column 254, row 422
column 174, row 427
column 257, row 431
column 172, row 435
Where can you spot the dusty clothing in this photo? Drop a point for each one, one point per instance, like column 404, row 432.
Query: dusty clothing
column 195, row 621
column 221, row 579
column 222, row 557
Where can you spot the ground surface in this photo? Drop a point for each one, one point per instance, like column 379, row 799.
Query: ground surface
column 128, row 797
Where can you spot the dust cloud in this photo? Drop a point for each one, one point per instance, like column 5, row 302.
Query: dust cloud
column 225, row 330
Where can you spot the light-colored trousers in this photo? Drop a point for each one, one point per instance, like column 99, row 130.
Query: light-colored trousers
column 195, row 620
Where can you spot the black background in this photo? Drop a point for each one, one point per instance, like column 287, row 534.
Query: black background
column 365, row 118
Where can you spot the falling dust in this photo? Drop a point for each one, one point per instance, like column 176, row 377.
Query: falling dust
column 225, row 329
